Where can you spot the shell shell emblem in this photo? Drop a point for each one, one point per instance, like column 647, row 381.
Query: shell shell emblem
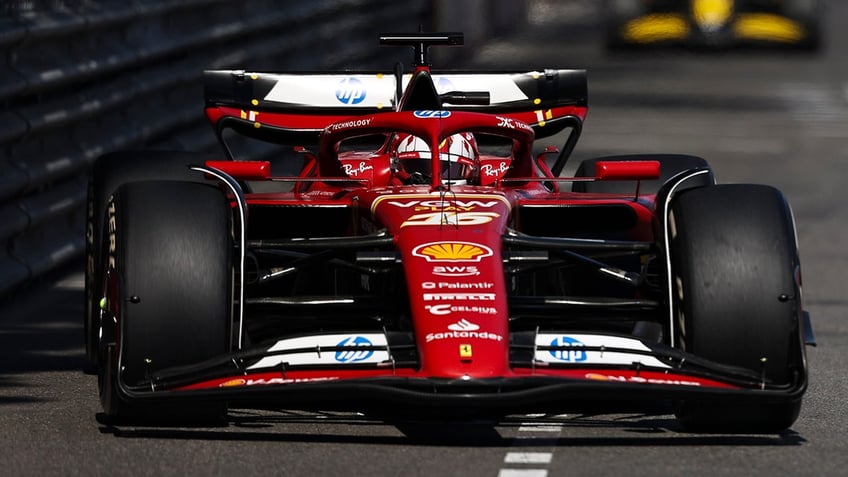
column 452, row 252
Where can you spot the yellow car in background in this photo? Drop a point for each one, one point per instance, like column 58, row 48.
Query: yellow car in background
column 713, row 23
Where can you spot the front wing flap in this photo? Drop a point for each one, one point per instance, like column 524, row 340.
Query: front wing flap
column 356, row 371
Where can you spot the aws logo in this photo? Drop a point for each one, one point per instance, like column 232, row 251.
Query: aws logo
column 452, row 252
column 456, row 271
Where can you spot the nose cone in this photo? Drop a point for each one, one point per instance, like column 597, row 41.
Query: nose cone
column 451, row 251
column 458, row 302
column 711, row 15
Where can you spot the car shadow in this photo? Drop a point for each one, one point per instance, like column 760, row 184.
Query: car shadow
column 515, row 432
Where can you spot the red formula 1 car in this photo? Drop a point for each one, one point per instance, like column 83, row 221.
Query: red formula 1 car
column 422, row 256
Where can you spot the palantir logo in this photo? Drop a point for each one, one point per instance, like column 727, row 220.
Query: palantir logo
column 353, row 355
column 569, row 349
column 350, row 91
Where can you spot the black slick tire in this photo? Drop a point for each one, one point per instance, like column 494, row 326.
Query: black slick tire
column 108, row 173
column 737, row 294
column 170, row 294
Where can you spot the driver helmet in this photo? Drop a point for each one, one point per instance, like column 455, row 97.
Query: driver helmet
column 457, row 155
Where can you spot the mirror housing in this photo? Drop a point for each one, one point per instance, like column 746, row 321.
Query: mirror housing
column 627, row 170
column 243, row 170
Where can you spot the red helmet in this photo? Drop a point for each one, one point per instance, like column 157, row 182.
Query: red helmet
column 457, row 155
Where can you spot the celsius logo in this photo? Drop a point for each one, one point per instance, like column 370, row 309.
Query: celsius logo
column 447, row 309
column 431, row 114
column 569, row 349
column 350, row 91
column 463, row 325
column 353, row 355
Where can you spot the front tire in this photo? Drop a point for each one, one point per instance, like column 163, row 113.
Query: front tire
column 736, row 271
column 108, row 173
column 169, row 291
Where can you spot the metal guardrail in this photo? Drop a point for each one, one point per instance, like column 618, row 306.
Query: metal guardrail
column 79, row 78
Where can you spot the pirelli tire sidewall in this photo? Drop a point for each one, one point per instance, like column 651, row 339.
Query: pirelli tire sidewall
column 168, row 259
column 737, row 299
column 735, row 273
column 109, row 172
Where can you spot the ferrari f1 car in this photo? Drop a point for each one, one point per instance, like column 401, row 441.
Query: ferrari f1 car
column 423, row 255
column 713, row 23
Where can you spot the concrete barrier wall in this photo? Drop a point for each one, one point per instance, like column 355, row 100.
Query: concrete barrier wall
column 79, row 78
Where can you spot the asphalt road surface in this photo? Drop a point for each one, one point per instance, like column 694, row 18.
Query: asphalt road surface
column 758, row 116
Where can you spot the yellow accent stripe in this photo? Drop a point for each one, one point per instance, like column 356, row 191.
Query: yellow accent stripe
column 656, row 27
column 768, row 27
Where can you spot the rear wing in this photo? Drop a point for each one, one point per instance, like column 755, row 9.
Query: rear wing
column 293, row 108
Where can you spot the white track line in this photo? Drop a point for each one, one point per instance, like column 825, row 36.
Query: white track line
column 528, row 457
column 530, row 464
column 523, row 473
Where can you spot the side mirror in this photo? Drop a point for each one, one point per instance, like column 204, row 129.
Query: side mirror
column 627, row 170
column 243, row 170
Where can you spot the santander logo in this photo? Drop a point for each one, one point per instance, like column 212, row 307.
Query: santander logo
column 463, row 329
column 463, row 325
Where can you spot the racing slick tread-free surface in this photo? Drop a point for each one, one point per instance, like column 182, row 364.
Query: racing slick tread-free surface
column 670, row 166
column 173, row 259
column 108, row 173
column 734, row 264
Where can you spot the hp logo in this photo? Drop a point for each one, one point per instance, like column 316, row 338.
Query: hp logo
column 353, row 356
column 350, row 91
column 569, row 349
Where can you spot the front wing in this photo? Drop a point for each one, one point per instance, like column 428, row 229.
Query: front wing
column 549, row 372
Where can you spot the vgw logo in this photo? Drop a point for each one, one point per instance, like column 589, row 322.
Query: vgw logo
column 350, row 91
column 353, row 355
column 569, row 349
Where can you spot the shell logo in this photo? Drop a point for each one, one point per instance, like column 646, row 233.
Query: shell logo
column 452, row 252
